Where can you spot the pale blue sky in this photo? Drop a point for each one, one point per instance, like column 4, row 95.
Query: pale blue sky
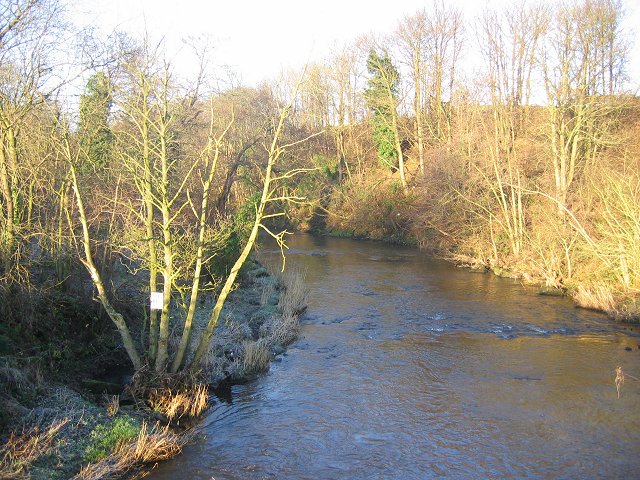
column 257, row 39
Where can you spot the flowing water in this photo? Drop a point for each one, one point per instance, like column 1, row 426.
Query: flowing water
column 410, row 368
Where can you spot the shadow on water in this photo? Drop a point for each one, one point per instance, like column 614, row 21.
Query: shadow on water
column 411, row 368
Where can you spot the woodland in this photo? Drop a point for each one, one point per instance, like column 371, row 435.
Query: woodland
column 526, row 164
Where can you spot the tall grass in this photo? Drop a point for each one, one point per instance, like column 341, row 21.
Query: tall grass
column 190, row 401
column 22, row 450
column 268, row 291
column 257, row 356
column 597, row 297
column 282, row 330
column 293, row 300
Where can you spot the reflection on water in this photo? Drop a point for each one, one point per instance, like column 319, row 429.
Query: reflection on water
column 409, row 368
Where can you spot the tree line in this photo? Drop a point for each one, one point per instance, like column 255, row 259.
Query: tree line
column 525, row 162
column 150, row 183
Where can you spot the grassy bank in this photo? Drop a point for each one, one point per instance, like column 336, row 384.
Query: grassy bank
column 81, row 428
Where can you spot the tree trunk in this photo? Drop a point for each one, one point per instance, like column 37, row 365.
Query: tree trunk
column 115, row 317
column 5, row 187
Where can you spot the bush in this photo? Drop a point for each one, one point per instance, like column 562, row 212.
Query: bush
column 376, row 209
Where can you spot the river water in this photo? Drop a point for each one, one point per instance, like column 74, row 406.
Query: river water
column 411, row 368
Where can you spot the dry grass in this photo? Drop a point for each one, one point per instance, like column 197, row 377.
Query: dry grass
column 293, row 300
column 268, row 291
column 629, row 311
column 598, row 297
column 150, row 446
column 214, row 365
column 618, row 306
column 282, row 330
column 113, row 405
column 187, row 402
column 257, row 356
column 22, row 450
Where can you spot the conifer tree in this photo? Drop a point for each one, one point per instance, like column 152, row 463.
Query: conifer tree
column 382, row 99
column 95, row 135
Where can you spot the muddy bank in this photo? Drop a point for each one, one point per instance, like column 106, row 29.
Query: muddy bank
column 56, row 428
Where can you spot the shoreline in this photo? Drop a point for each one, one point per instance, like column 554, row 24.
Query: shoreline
column 626, row 310
column 70, row 432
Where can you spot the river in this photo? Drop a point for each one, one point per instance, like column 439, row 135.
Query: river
column 410, row 368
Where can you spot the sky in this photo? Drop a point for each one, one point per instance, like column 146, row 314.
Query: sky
column 258, row 39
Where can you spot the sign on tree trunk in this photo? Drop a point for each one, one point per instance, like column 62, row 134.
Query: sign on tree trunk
column 156, row 300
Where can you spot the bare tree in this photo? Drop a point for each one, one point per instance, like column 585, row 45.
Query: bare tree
column 344, row 76
column 444, row 44
column 510, row 45
column 583, row 60
column 269, row 195
column 413, row 37
column 26, row 30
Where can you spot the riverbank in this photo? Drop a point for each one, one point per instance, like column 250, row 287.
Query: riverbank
column 93, row 428
column 561, row 256
column 412, row 368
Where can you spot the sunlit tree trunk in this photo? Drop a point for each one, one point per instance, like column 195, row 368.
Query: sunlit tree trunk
column 87, row 259
column 211, row 154
column 269, row 189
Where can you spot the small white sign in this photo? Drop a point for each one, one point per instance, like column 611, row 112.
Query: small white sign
column 156, row 301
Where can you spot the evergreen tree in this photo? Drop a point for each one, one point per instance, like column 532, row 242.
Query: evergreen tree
column 95, row 135
column 382, row 99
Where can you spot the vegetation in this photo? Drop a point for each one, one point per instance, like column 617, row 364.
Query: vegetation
column 154, row 183
column 22, row 450
column 106, row 439
column 528, row 169
column 147, row 447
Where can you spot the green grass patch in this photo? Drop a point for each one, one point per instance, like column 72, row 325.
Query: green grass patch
column 104, row 439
